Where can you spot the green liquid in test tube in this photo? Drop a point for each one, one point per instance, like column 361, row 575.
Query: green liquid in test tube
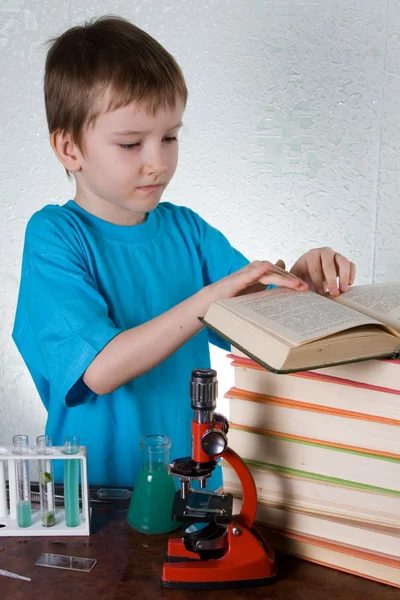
column 44, row 448
column 71, row 482
column 24, row 513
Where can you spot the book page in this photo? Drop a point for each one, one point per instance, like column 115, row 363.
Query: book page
column 297, row 317
column 378, row 300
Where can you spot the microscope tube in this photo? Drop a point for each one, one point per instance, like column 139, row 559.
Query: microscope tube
column 46, row 481
column 23, row 490
column 71, row 482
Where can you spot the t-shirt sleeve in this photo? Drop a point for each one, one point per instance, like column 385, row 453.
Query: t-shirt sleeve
column 219, row 259
column 62, row 320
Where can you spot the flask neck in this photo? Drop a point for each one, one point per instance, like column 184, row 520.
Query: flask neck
column 155, row 451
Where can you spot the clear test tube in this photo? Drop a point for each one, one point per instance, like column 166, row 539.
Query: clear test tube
column 71, row 482
column 3, row 489
column 23, row 488
column 44, row 448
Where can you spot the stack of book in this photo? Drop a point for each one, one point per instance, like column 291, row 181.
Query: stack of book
column 323, row 447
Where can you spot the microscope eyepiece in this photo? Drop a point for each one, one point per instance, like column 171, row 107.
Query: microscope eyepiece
column 204, row 389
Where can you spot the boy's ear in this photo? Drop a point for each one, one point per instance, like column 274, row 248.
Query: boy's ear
column 66, row 150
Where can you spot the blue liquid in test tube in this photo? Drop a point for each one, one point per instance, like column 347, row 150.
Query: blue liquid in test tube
column 71, row 482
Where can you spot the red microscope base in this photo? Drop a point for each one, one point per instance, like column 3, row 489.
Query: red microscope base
column 248, row 562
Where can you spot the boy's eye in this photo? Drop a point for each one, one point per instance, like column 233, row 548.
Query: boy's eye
column 168, row 140
column 128, row 146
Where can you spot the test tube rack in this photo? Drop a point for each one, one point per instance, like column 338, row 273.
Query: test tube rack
column 8, row 510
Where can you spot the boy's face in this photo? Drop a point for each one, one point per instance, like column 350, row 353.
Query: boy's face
column 129, row 157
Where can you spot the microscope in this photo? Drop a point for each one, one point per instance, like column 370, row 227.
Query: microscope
column 217, row 550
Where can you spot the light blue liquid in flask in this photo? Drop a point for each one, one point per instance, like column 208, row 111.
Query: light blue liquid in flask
column 153, row 495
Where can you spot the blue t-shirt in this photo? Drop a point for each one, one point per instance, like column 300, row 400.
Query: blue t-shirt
column 85, row 280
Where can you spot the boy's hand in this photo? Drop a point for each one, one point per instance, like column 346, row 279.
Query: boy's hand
column 254, row 277
column 322, row 267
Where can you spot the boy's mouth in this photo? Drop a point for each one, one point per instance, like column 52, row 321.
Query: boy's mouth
column 150, row 188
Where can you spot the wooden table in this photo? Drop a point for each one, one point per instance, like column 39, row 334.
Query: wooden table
column 129, row 567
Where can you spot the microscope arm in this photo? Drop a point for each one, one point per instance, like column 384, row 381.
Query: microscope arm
column 249, row 505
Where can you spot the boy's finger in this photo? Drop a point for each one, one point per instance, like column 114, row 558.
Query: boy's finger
column 280, row 263
column 267, row 267
column 352, row 273
column 315, row 272
column 343, row 267
column 280, row 271
column 329, row 272
column 282, row 281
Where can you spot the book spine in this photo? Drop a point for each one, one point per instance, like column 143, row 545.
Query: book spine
column 239, row 361
column 329, row 460
column 282, row 417
column 237, row 393
column 335, row 557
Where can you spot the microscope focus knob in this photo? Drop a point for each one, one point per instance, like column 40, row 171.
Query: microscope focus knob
column 221, row 422
column 214, row 442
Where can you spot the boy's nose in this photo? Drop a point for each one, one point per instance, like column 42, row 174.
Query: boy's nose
column 155, row 164
column 155, row 169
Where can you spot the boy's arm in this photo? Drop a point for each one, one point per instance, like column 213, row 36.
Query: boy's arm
column 63, row 327
column 136, row 351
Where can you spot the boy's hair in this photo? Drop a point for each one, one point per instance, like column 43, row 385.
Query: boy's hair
column 106, row 54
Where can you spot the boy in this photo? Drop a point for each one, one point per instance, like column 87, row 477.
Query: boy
column 113, row 281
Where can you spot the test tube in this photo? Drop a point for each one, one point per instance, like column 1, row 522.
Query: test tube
column 44, row 447
column 23, row 489
column 3, row 489
column 71, row 482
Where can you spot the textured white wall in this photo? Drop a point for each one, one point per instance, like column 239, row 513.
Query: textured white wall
column 291, row 135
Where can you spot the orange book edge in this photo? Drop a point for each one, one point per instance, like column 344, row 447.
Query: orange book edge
column 235, row 392
column 299, row 438
column 382, row 559
column 344, row 570
column 239, row 361
column 388, row 562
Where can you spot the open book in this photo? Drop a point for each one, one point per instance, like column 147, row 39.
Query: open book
column 286, row 330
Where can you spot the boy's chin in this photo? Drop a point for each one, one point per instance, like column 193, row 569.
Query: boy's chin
column 148, row 203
